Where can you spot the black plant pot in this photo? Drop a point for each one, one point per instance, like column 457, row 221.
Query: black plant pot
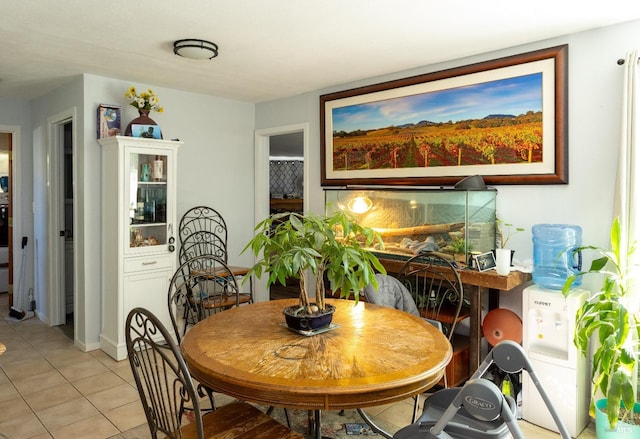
column 308, row 322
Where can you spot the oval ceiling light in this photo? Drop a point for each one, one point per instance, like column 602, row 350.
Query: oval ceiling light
column 195, row 49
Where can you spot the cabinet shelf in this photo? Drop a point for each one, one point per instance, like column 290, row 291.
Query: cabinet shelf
column 138, row 232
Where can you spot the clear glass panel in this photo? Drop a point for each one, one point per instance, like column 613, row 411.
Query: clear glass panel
column 456, row 223
column 148, row 199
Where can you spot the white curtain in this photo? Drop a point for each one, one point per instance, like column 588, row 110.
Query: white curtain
column 626, row 205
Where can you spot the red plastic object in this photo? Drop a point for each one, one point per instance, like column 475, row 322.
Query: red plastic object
column 502, row 324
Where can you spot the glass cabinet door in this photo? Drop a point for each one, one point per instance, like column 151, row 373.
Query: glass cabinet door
column 148, row 190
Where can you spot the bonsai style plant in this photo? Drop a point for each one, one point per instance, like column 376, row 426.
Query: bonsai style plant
column 291, row 245
column 613, row 314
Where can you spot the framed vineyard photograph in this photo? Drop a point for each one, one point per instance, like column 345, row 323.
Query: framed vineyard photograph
column 504, row 119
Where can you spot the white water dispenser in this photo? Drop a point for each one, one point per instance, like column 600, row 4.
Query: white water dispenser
column 548, row 321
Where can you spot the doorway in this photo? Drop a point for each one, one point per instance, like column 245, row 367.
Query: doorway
column 286, row 194
column 287, row 135
column 60, row 223
column 6, row 247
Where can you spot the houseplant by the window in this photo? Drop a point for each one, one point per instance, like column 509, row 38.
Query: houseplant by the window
column 613, row 316
column 291, row 245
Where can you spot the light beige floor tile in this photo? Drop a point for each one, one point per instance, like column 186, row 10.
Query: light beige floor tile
column 97, row 383
column 23, row 427
column 88, row 367
column 37, row 383
column 8, row 391
column 127, row 416
column 139, row 432
column 114, row 397
column 105, row 359
column 66, row 357
column 23, row 369
column 398, row 414
column 52, row 396
column 66, row 413
column 17, row 357
column 95, row 427
column 13, row 408
column 124, row 372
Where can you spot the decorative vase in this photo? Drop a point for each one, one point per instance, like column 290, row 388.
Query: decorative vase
column 308, row 322
column 143, row 119
column 623, row 430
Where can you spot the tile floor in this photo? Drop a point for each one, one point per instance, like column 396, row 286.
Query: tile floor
column 50, row 389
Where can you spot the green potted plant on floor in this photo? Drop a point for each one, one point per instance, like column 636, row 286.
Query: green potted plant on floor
column 291, row 245
column 612, row 314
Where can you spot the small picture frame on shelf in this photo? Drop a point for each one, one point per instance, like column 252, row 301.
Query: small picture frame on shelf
column 108, row 120
column 485, row 261
column 146, row 131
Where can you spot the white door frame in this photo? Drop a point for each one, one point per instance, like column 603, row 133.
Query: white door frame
column 261, row 181
column 55, row 215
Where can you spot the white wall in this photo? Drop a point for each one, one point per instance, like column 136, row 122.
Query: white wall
column 215, row 168
column 595, row 87
column 215, row 165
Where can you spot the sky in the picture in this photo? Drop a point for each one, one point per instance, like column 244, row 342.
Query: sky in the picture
column 512, row 96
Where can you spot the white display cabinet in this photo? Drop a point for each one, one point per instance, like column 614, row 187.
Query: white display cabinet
column 138, row 232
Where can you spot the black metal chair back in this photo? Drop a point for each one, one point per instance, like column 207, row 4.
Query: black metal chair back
column 161, row 375
column 202, row 285
column 203, row 242
column 202, row 218
column 436, row 288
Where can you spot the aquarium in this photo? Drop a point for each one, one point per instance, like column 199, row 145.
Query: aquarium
column 457, row 223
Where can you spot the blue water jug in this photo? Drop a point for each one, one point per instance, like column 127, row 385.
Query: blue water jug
column 554, row 259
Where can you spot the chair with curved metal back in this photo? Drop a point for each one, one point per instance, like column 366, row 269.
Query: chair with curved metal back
column 435, row 285
column 201, row 285
column 166, row 388
column 202, row 218
column 194, row 294
column 207, row 235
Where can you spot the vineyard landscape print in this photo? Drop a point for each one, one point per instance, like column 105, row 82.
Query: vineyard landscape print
column 491, row 123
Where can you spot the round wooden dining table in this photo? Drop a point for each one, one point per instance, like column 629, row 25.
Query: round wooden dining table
column 372, row 355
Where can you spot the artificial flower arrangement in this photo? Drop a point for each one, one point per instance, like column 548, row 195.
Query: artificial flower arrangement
column 146, row 100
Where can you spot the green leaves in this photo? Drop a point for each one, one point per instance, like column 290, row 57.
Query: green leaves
column 290, row 244
column 613, row 315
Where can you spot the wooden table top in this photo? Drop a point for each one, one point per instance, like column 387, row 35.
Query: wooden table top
column 377, row 355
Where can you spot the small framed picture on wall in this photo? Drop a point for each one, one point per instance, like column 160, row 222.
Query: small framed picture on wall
column 108, row 120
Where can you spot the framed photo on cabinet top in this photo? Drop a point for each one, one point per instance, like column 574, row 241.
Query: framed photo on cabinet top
column 504, row 119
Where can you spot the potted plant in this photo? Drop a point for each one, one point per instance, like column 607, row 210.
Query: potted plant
column 503, row 254
column 291, row 245
column 613, row 315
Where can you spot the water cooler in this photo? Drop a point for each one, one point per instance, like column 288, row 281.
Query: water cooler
column 548, row 323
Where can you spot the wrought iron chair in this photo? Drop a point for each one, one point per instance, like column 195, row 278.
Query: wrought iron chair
column 166, row 388
column 202, row 218
column 201, row 285
column 194, row 294
column 435, row 285
column 208, row 242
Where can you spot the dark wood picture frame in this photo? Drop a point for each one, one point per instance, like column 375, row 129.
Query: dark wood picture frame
column 547, row 72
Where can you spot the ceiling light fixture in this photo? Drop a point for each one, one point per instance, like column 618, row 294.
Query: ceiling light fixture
column 195, row 49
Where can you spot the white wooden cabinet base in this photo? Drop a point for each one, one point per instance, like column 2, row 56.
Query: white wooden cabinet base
column 139, row 231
